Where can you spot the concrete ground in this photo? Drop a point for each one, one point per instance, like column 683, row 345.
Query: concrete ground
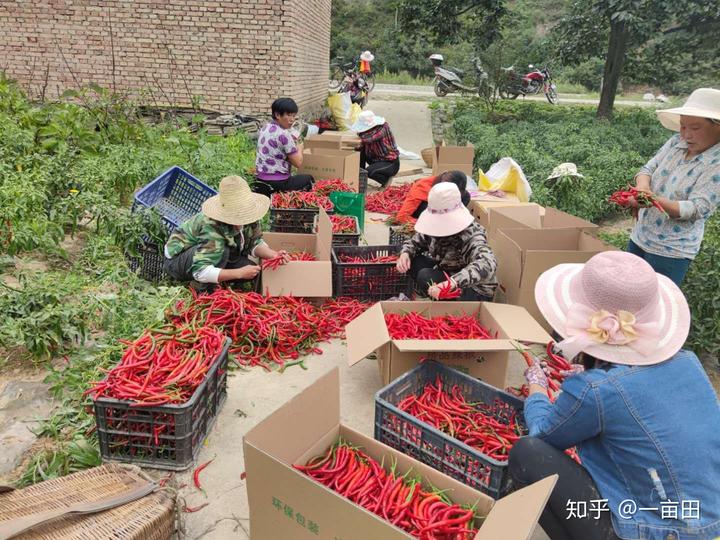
column 254, row 394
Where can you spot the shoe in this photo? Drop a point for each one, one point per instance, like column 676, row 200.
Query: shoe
column 399, row 298
column 388, row 183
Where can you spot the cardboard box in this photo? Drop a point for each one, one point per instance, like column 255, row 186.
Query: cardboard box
column 552, row 218
column 326, row 163
column 512, row 215
column 302, row 278
column 337, row 140
column 285, row 503
column 449, row 158
column 523, row 254
column 485, row 359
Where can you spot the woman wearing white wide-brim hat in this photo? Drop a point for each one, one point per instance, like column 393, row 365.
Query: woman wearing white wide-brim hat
column 216, row 244
column 684, row 177
column 379, row 153
column 640, row 411
column 449, row 248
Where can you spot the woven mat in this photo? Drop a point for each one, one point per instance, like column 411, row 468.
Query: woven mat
column 149, row 518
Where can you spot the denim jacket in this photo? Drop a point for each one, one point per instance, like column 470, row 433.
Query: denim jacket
column 650, row 435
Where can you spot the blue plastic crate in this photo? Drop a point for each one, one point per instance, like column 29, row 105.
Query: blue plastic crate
column 431, row 446
column 176, row 195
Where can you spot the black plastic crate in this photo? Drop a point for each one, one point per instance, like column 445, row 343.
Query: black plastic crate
column 367, row 281
column 343, row 239
column 431, row 446
column 148, row 264
column 398, row 237
column 176, row 194
column 167, row 436
column 293, row 220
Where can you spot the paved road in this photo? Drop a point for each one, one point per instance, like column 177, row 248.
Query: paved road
column 398, row 90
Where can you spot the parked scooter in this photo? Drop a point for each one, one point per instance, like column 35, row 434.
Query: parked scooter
column 534, row 82
column 449, row 80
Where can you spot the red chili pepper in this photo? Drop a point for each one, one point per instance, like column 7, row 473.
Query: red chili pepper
column 644, row 200
column 277, row 262
column 343, row 224
column 415, row 326
column 300, row 200
column 196, row 473
column 388, row 201
column 326, row 187
column 190, row 509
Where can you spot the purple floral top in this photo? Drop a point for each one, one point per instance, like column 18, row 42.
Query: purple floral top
column 273, row 147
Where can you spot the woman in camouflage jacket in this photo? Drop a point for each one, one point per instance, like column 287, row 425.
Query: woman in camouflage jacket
column 449, row 245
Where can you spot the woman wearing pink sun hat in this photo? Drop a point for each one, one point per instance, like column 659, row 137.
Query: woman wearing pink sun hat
column 640, row 410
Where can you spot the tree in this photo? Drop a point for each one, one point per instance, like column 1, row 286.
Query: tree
column 453, row 21
column 619, row 26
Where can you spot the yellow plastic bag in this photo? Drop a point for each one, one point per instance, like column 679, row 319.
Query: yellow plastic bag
column 344, row 111
column 506, row 175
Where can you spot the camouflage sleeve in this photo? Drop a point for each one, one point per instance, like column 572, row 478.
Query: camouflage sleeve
column 417, row 244
column 481, row 265
column 208, row 254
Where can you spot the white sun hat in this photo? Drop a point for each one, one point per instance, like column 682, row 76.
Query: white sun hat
column 367, row 120
column 445, row 214
column 235, row 203
column 703, row 102
column 367, row 56
column 565, row 169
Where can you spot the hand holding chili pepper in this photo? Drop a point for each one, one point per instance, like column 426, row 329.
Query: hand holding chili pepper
column 403, row 263
column 575, row 369
column 535, row 374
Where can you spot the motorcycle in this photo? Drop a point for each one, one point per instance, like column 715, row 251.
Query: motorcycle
column 358, row 88
column 534, row 82
column 449, row 80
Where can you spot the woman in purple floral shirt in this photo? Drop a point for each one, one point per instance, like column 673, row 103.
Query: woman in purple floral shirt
column 278, row 151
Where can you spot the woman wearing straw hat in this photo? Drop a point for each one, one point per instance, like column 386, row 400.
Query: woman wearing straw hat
column 640, row 411
column 684, row 177
column 216, row 244
column 449, row 246
column 379, row 153
column 278, row 151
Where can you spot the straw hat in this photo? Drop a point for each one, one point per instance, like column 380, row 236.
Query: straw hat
column 235, row 204
column 367, row 56
column 703, row 102
column 367, row 120
column 445, row 214
column 615, row 308
column 565, row 169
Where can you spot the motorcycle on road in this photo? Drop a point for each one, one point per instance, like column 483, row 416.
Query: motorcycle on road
column 449, row 80
column 536, row 81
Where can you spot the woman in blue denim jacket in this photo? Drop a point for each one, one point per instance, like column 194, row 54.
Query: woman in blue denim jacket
column 642, row 414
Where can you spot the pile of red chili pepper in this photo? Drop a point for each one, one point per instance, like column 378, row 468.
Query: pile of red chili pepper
column 415, row 326
column 398, row 499
column 388, row 201
column 490, row 428
column 164, row 365
column 326, row 187
column 644, row 200
column 343, row 224
column 375, row 259
column 448, row 291
column 300, row 200
column 277, row 262
column 268, row 331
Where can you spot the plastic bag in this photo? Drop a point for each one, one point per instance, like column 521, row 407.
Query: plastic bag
column 506, row 175
column 406, row 154
column 343, row 110
column 350, row 204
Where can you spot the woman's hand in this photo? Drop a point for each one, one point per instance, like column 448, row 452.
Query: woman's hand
column 535, row 374
column 575, row 369
column 434, row 291
column 284, row 254
column 403, row 263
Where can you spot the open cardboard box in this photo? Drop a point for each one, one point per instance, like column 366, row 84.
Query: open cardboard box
column 327, row 163
column 487, row 200
column 552, row 218
column 508, row 216
column 302, row 278
column 485, row 359
column 451, row 158
column 523, row 254
column 284, row 503
column 337, row 140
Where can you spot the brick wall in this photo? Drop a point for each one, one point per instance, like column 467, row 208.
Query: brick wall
column 236, row 55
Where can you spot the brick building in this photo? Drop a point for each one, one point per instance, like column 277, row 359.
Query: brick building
column 235, row 55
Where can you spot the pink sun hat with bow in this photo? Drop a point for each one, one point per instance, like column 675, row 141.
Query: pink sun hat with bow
column 445, row 214
column 615, row 308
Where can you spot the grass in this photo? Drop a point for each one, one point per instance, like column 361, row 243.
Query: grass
column 385, row 77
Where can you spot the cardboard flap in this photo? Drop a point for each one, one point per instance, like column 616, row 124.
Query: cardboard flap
column 324, row 237
column 366, row 333
column 514, row 517
column 452, row 345
column 318, row 141
column 509, row 258
column 514, row 217
column 555, row 218
column 303, row 420
column 518, row 324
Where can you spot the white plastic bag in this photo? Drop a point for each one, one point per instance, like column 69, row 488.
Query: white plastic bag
column 406, row 154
